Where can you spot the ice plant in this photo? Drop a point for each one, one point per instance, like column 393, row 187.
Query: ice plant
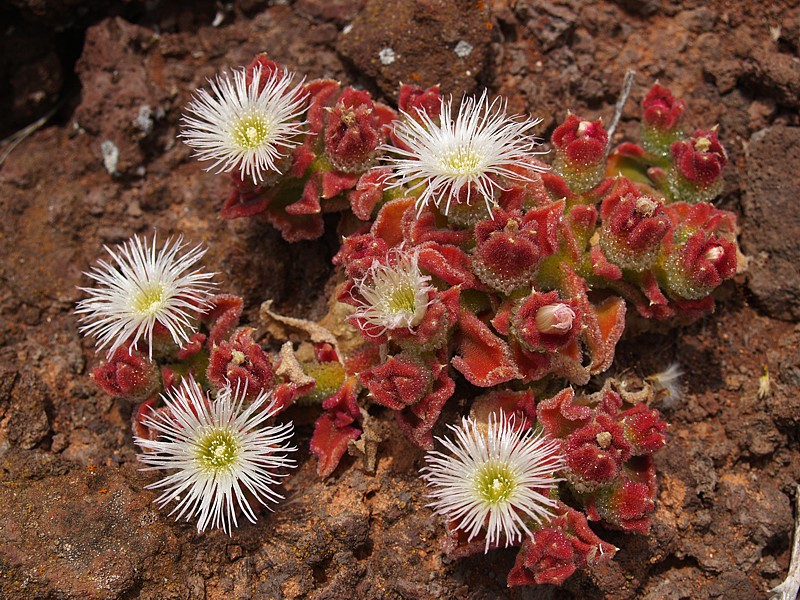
column 392, row 295
column 246, row 124
column 454, row 157
column 498, row 479
column 220, row 453
column 144, row 288
column 480, row 263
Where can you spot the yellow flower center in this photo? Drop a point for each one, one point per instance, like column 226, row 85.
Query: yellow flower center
column 251, row 132
column 217, row 451
column 149, row 299
column 495, row 483
column 462, row 160
column 402, row 299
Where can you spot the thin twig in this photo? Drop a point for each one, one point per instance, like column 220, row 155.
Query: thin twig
column 16, row 138
column 627, row 84
column 790, row 586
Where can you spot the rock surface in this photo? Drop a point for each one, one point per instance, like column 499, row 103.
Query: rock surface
column 772, row 186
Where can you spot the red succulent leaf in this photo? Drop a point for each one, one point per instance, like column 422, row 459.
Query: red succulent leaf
column 402, row 380
column 169, row 378
column 222, row 317
column 329, row 443
column 582, row 220
column 241, row 361
column 568, row 363
column 644, row 429
column 388, row 222
column 362, row 358
column 483, row 358
column 244, row 203
column 628, row 503
column 595, row 452
column 520, row 404
column 703, row 216
column 343, row 405
column 532, row 366
column 321, row 94
column 605, row 331
column 325, row 352
column 633, row 226
column 295, row 228
column 630, row 149
column 556, row 186
column 302, row 157
column 603, row 323
column 501, row 321
column 548, row 219
column 581, row 143
column 507, row 251
column 287, row 392
column 660, row 109
column 268, row 68
column 602, row 267
column 357, row 254
column 561, row 415
column 336, row 182
column 700, row 158
column 418, row 229
column 413, row 99
column 555, row 551
column 529, row 189
column 128, row 374
column 449, row 263
column 192, row 347
column 144, row 410
column 457, row 543
column 308, row 204
column 547, row 557
column 418, row 420
column 356, row 126
column 368, row 192
column 696, row 267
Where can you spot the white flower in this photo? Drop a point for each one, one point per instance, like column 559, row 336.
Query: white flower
column 239, row 127
column 392, row 295
column 499, row 479
column 219, row 452
column 472, row 151
column 143, row 287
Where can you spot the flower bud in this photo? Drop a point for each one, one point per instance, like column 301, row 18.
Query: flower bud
column 554, row 319
column 545, row 323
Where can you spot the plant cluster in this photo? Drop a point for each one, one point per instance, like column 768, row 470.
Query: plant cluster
column 469, row 258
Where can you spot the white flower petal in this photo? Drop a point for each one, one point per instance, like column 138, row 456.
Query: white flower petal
column 472, row 150
column 393, row 294
column 210, row 479
column 143, row 287
column 241, row 128
column 497, row 480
